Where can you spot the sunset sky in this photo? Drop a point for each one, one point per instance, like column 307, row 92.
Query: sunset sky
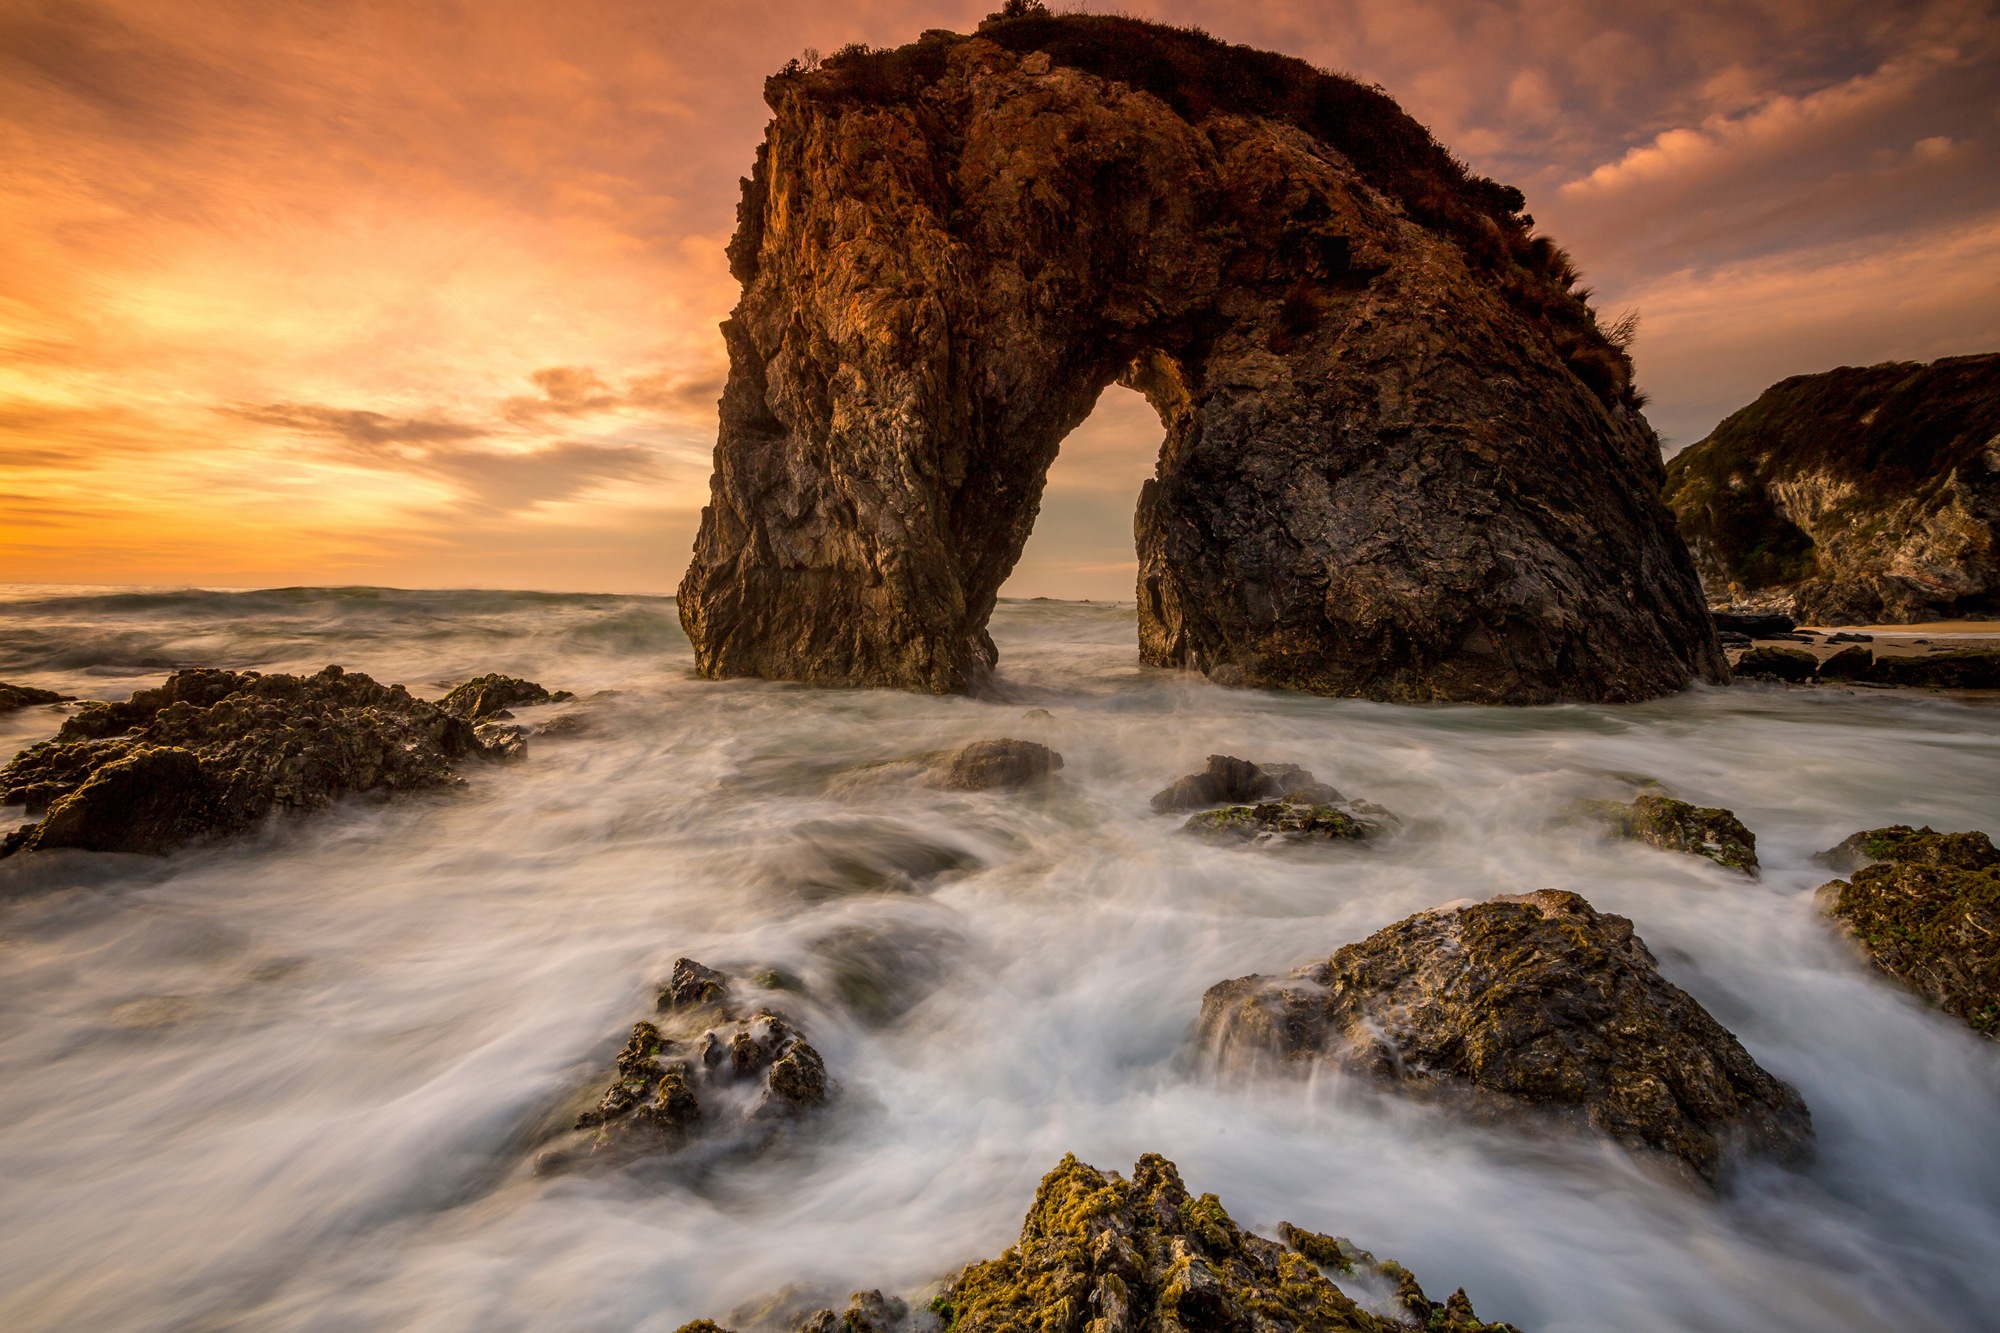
column 426, row 294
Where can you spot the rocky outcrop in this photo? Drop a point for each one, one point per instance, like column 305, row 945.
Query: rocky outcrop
column 1864, row 494
column 1793, row 665
column 1536, row 1002
column 1659, row 821
column 210, row 753
column 1401, row 460
column 485, row 697
column 1957, row 669
column 705, row 1069
column 995, row 765
column 1109, row 1255
column 1925, row 907
column 1229, row 781
column 16, row 697
column 1290, row 820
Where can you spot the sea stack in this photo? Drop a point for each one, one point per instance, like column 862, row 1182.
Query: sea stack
column 1401, row 459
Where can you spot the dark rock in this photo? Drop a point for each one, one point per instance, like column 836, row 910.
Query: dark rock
column 1925, row 908
column 1756, row 624
column 1731, row 639
column 1786, row 664
column 703, row 1071
column 1227, row 781
column 1676, row 826
column 1402, row 460
column 1862, row 495
column 1100, row 1254
column 1851, row 663
column 14, row 697
column 1951, row 669
column 994, row 765
column 490, row 696
column 1531, row 1002
column 212, row 753
column 867, row 1312
column 1287, row 820
column 1844, row 637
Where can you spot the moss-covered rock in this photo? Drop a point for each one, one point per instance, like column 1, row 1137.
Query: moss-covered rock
column 210, row 753
column 1676, row 826
column 1537, row 1002
column 1294, row 821
column 488, row 696
column 14, row 697
column 1926, row 910
column 1793, row 665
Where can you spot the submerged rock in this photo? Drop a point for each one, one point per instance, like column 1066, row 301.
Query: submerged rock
column 995, row 765
column 1794, row 665
column 705, row 1070
column 488, row 696
column 1295, row 821
column 1536, row 1002
column 1402, row 459
column 1228, row 781
column 1675, row 826
column 1860, row 495
column 1101, row 1254
column 15, row 697
column 211, row 753
column 1925, row 907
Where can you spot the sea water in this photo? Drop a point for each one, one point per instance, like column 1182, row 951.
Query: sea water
column 299, row 1080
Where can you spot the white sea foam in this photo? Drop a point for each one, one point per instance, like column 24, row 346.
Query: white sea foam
column 294, row 1082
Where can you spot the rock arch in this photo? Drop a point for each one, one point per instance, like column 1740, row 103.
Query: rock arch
column 1395, row 465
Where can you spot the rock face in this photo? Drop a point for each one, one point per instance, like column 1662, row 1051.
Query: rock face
column 705, row 1070
column 1401, row 460
column 1536, row 1001
column 1675, row 826
column 1102, row 1254
column 211, row 753
column 1927, row 912
column 15, row 697
column 1867, row 494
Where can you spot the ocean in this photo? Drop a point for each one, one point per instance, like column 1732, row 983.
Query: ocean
column 299, row 1080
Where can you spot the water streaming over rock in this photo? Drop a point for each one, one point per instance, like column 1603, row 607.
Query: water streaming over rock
column 298, row 1081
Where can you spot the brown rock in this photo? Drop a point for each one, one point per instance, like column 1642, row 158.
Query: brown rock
column 15, row 697
column 1954, row 669
column 1228, row 781
column 1533, row 1002
column 1850, row 663
column 491, row 696
column 1675, row 826
column 1794, row 665
column 995, row 765
column 1401, row 459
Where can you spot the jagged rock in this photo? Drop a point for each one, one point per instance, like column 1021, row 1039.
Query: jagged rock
column 1852, row 663
column 995, row 765
column 1861, row 495
column 1925, row 907
column 210, row 753
column 703, row 1071
column 15, row 697
column 1952, row 669
column 1533, row 1002
column 1401, row 459
column 1288, row 820
column 1676, row 826
column 1794, row 665
column 867, row 1312
column 1101, row 1254
column 1228, row 781
column 489, row 696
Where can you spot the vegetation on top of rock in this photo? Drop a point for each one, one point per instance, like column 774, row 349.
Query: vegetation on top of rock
column 1676, row 826
column 210, row 753
column 1926, row 910
column 14, row 697
column 1533, row 1002
column 485, row 696
column 1863, row 494
column 1200, row 76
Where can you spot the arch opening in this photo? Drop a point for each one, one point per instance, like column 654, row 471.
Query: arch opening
column 1082, row 547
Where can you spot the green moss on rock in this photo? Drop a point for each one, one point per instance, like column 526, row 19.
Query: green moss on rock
column 1676, row 826
column 1294, row 821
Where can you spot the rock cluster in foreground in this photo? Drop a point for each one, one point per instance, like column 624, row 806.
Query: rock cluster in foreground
column 1537, row 1001
column 706, row 1068
column 1102, row 1254
column 1710, row 832
column 210, row 753
column 1925, row 907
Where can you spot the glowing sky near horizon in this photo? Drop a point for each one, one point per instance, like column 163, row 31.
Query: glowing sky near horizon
column 426, row 294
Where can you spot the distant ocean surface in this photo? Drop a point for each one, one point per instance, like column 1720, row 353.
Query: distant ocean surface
column 294, row 1081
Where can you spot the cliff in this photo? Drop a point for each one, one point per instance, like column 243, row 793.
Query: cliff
column 1401, row 460
column 1861, row 495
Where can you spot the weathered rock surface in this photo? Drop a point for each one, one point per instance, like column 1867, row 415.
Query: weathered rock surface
column 1925, row 907
column 1864, row 494
column 210, row 753
column 15, row 697
column 1229, row 781
column 1956, row 669
column 1290, row 820
column 483, row 697
column 1401, row 459
column 1851, row 663
column 706, row 1069
column 995, row 765
column 1102, row 1254
column 1532, row 1002
column 1794, row 665
column 1676, row 826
